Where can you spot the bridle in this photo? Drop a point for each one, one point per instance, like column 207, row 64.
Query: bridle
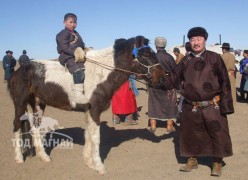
column 136, row 59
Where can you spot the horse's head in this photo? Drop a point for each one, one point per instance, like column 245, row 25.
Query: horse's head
column 137, row 56
column 145, row 62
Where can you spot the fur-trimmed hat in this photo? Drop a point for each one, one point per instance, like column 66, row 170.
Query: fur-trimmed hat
column 160, row 42
column 197, row 31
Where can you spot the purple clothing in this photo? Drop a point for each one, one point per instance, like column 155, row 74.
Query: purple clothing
column 243, row 63
column 67, row 42
column 205, row 77
column 162, row 103
column 205, row 132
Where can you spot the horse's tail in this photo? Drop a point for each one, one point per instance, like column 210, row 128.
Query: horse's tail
column 17, row 87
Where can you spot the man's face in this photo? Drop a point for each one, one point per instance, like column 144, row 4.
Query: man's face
column 198, row 44
column 70, row 23
column 223, row 50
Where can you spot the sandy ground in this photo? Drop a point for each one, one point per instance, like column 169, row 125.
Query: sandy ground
column 128, row 152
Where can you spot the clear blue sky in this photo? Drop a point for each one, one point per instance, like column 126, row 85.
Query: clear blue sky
column 33, row 24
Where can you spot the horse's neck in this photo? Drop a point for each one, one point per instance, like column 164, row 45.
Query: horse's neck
column 102, row 56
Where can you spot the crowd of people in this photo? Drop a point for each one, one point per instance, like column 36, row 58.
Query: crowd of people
column 204, row 79
column 9, row 63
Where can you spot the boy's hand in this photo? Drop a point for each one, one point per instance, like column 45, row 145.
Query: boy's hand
column 79, row 55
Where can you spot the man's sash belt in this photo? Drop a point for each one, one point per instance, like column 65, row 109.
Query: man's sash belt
column 203, row 104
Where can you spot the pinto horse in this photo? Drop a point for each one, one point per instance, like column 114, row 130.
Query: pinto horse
column 41, row 83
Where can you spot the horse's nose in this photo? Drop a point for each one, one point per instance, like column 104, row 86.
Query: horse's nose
column 148, row 75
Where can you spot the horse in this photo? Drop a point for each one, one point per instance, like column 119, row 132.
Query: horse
column 40, row 83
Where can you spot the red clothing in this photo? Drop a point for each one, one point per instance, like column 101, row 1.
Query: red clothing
column 123, row 100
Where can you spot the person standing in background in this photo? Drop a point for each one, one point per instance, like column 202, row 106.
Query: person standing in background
column 187, row 48
column 229, row 60
column 162, row 103
column 179, row 55
column 244, row 78
column 9, row 64
column 124, row 103
column 23, row 59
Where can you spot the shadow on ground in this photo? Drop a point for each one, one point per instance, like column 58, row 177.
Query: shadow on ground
column 110, row 137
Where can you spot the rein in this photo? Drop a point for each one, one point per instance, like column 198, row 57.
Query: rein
column 113, row 68
column 148, row 67
column 135, row 53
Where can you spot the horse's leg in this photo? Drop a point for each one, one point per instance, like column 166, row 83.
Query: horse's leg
column 19, row 112
column 38, row 110
column 92, row 143
column 18, row 145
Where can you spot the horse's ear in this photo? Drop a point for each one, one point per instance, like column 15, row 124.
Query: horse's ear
column 119, row 40
column 141, row 41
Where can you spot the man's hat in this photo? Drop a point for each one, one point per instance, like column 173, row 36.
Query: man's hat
column 225, row 46
column 24, row 52
column 160, row 42
column 197, row 31
column 176, row 50
column 8, row 52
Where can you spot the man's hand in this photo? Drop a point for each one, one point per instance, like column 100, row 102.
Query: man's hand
column 79, row 55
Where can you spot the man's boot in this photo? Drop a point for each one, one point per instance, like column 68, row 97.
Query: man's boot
column 217, row 167
column 153, row 123
column 170, row 126
column 191, row 164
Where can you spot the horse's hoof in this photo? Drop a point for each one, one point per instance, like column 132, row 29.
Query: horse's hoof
column 19, row 161
column 45, row 158
column 101, row 171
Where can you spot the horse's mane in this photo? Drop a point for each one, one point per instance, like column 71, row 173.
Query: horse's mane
column 102, row 55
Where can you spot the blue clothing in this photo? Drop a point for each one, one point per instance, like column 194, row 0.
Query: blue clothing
column 242, row 65
column 132, row 85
